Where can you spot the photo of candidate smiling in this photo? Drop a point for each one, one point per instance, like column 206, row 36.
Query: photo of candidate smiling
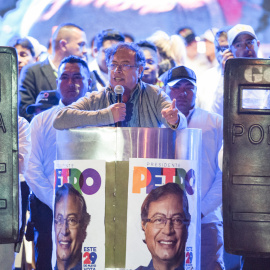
column 70, row 220
column 165, row 220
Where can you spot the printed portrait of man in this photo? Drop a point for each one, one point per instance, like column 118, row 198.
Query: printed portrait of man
column 70, row 222
column 165, row 220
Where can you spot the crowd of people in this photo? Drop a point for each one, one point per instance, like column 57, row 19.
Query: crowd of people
column 167, row 83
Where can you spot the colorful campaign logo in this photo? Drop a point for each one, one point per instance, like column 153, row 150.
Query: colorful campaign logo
column 80, row 180
column 153, row 177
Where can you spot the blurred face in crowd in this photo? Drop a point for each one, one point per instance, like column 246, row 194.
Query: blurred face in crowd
column 101, row 54
column 76, row 44
column 24, row 57
column 166, row 243
column 72, row 82
column 185, row 94
column 150, row 72
column 245, row 45
column 70, row 232
column 125, row 72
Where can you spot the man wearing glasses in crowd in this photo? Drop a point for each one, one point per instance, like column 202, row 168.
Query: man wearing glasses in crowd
column 143, row 105
column 70, row 222
column 165, row 220
column 243, row 43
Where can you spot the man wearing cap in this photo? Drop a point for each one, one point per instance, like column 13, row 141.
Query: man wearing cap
column 68, row 39
column 45, row 100
column 243, row 43
column 103, row 40
column 180, row 84
column 72, row 83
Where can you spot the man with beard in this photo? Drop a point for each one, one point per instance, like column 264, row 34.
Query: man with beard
column 243, row 43
column 181, row 85
column 165, row 220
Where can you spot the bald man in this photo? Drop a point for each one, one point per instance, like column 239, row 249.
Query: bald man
column 68, row 39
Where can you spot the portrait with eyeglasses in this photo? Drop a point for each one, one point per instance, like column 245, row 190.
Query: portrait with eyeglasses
column 165, row 220
column 70, row 222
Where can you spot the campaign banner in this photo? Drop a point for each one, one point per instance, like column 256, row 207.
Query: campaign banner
column 79, row 211
column 161, row 225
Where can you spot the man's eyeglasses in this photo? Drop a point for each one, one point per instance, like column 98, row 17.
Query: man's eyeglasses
column 122, row 66
column 160, row 222
column 242, row 45
column 71, row 221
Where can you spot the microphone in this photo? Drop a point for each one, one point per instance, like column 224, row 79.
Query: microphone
column 118, row 90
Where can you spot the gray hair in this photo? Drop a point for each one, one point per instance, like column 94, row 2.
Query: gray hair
column 139, row 55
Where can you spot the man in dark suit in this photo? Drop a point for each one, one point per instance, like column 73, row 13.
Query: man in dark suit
column 68, row 39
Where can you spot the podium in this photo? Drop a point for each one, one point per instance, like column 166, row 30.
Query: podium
column 176, row 151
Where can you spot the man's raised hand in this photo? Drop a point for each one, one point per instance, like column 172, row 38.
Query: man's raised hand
column 171, row 114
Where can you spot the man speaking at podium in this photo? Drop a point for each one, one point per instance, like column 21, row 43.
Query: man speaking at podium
column 143, row 105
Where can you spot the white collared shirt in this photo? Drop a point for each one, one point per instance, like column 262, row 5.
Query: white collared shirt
column 211, row 125
column 40, row 172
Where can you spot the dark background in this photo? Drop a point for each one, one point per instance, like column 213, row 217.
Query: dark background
column 140, row 18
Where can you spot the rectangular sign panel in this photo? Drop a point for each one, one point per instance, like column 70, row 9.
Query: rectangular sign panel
column 246, row 171
column 114, row 234
column 148, row 243
column 79, row 211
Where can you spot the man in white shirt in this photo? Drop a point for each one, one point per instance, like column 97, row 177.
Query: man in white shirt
column 181, row 85
column 72, row 83
column 243, row 43
column 209, row 80
column 195, row 59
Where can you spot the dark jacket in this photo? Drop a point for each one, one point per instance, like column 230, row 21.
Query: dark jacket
column 37, row 77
